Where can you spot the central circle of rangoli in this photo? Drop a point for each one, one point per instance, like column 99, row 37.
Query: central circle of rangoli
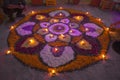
column 59, row 28
column 64, row 40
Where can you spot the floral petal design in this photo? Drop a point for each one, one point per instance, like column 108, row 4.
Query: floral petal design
column 43, row 31
column 93, row 30
column 54, row 20
column 40, row 17
column 84, row 44
column 73, row 25
column 54, row 13
column 57, row 51
column 92, row 48
column 25, row 28
column 26, row 47
column 52, row 61
column 65, row 38
column 79, row 18
column 30, row 42
column 59, row 28
column 75, row 32
column 65, row 21
column 44, row 24
column 50, row 37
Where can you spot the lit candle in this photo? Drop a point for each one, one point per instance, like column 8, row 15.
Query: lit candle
column 60, row 14
column 86, row 29
column 72, row 31
column 82, row 42
column 62, row 36
column 107, row 29
column 56, row 49
column 45, row 30
column 53, row 72
column 51, row 35
column 60, row 7
column 33, row 12
column 12, row 27
column 8, row 52
column 99, row 19
column 87, row 13
column 32, row 41
column 103, row 56
column 41, row 17
column 78, row 18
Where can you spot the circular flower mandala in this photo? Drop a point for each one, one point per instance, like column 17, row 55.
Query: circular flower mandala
column 60, row 39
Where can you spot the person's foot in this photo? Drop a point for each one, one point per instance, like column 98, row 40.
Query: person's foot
column 20, row 15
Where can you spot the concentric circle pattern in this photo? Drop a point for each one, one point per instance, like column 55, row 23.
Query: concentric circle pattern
column 64, row 39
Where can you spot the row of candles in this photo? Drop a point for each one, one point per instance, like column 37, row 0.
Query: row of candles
column 53, row 72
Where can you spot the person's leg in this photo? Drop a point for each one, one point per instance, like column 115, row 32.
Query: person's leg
column 9, row 13
column 19, row 13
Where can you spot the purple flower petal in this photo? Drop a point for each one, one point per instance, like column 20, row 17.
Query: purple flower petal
column 75, row 32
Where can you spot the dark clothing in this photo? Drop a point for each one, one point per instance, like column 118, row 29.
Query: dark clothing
column 10, row 12
column 15, row 2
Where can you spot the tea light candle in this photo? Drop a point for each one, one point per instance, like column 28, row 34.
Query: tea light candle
column 62, row 36
column 87, row 13
column 86, row 29
column 82, row 42
column 45, row 30
column 12, row 27
column 99, row 19
column 56, row 49
column 53, row 72
column 51, row 35
column 8, row 52
column 71, row 31
column 33, row 12
column 60, row 14
column 107, row 29
column 31, row 41
column 78, row 18
column 60, row 7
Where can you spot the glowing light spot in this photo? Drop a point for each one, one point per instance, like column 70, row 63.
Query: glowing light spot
column 60, row 14
column 56, row 49
column 79, row 18
column 12, row 27
column 46, row 30
column 32, row 12
column 51, row 35
column 62, row 36
column 8, row 52
column 86, row 29
column 82, row 42
column 87, row 13
column 32, row 41
column 53, row 72
column 107, row 29
column 99, row 19
column 60, row 7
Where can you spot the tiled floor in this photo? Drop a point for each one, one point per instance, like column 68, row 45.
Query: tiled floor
column 11, row 69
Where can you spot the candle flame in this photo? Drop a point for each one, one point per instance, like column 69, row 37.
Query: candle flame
column 107, row 29
column 8, row 52
column 82, row 42
column 60, row 7
column 87, row 12
column 32, row 41
column 12, row 27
